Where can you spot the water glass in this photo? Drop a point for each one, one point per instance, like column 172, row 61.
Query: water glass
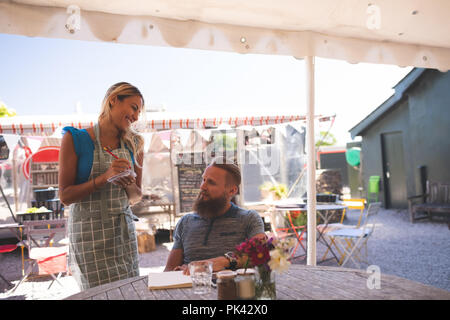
column 201, row 275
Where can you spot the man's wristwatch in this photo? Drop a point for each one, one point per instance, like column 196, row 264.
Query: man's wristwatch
column 232, row 260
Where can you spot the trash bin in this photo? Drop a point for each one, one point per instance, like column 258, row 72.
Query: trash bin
column 374, row 188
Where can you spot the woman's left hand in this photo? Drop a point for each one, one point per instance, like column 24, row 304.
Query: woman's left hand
column 125, row 182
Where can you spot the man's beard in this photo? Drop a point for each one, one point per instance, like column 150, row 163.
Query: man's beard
column 210, row 208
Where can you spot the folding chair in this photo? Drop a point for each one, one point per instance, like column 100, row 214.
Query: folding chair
column 49, row 259
column 283, row 225
column 358, row 204
column 350, row 241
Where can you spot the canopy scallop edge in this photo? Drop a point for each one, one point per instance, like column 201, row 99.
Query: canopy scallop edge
column 400, row 32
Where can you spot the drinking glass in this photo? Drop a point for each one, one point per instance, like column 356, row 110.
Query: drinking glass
column 201, row 275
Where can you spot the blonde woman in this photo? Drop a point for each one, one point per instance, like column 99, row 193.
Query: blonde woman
column 102, row 236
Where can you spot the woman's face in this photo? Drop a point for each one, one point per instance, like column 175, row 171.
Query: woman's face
column 125, row 112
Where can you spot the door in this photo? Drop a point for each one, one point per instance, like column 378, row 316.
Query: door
column 394, row 170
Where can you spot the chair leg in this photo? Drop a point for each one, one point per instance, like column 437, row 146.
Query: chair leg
column 56, row 279
column 8, row 283
column 350, row 254
column 24, row 278
column 360, row 218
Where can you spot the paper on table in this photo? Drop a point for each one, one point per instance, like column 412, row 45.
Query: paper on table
column 168, row 280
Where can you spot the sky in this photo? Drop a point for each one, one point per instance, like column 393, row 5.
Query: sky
column 51, row 76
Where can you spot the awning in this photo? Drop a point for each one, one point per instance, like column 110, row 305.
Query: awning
column 47, row 125
column 399, row 32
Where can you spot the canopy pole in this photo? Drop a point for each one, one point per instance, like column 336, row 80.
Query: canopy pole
column 311, row 164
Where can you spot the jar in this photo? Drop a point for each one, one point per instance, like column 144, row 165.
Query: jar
column 226, row 287
column 245, row 284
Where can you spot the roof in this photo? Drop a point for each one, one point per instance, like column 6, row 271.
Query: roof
column 391, row 102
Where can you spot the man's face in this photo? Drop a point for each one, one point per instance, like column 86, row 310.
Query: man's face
column 215, row 194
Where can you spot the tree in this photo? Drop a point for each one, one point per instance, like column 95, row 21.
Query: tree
column 326, row 139
column 5, row 112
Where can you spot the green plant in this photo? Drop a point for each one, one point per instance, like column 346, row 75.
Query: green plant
column 326, row 139
column 279, row 190
column 5, row 112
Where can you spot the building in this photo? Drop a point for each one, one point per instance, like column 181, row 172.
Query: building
column 406, row 140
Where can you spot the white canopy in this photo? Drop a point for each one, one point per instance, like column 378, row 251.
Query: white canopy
column 399, row 32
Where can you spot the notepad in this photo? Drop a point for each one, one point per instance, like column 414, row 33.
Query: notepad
column 168, row 280
column 122, row 174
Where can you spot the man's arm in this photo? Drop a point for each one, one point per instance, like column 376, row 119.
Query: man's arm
column 221, row 263
column 174, row 260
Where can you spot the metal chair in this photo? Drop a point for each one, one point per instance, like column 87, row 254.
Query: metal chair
column 283, row 225
column 350, row 241
column 49, row 259
column 358, row 204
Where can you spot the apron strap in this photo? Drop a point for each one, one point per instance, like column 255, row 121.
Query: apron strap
column 101, row 163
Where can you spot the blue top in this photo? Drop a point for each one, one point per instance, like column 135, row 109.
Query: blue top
column 84, row 149
column 202, row 238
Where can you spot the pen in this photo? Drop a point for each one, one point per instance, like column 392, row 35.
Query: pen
column 109, row 151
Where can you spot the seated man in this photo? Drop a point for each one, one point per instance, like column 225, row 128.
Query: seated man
column 218, row 225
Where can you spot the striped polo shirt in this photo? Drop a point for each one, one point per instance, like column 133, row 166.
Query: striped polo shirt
column 202, row 238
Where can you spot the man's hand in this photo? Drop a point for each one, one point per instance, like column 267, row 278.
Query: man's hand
column 183, row 268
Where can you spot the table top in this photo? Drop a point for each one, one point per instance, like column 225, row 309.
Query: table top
column 298, row 283
column 319, row 207
column 10, row 225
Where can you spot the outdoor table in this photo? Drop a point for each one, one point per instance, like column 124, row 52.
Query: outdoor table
column 14, row 228
column 326, row 212
column 298, row 283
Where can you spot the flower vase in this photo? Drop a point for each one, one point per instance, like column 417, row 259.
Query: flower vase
column 265, row 288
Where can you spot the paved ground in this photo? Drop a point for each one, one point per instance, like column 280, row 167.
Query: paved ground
column 419, row 252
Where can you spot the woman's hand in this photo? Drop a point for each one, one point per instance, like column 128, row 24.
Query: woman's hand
column 118, row 166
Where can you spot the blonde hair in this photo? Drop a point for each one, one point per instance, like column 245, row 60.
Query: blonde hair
column 122, row 90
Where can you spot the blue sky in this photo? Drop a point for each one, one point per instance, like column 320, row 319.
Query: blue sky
column 50, row 76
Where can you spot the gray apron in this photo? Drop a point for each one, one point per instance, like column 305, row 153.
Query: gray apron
column 102, row 235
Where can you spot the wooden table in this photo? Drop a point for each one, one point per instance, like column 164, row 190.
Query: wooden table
column 14, row 228
column 298, row 283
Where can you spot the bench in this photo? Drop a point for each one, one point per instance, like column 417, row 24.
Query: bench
column 436, row 199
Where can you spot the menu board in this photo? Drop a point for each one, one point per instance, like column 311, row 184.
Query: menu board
column 189, row 181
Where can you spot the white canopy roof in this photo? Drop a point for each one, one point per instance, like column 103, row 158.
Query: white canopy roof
column 399, row 32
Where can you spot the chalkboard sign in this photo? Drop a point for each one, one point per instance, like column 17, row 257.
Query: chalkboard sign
column 189, row 181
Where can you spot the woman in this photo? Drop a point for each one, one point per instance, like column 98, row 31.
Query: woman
column 102, row 235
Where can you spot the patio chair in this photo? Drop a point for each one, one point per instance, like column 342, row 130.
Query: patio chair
column 350, row 241
column 358, row 204
column 284, row 224
column 49, row 259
